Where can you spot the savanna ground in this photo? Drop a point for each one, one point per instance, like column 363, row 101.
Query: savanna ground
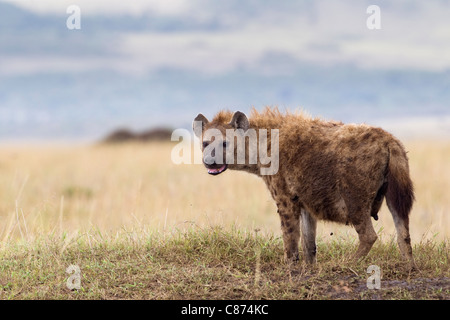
column 140, row 227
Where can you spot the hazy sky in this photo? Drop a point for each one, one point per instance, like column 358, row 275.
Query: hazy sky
column 135, row 7
column 143, row 63
column 414, row 35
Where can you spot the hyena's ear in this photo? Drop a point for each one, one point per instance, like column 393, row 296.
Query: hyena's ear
column 199, row 124
column 240, row 121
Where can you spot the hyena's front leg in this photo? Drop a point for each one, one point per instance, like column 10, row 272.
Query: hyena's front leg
column 308, row 226
column 290, row 226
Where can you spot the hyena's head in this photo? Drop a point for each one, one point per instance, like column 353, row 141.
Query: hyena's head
column 217, row 140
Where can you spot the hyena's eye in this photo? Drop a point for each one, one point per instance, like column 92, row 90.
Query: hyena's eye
column 225, row 144
column 205, row 144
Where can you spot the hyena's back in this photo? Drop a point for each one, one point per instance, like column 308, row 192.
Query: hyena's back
column 339, row 172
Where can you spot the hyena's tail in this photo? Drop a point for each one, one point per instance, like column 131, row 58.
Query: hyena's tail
column 400, row 197
column 400, row 189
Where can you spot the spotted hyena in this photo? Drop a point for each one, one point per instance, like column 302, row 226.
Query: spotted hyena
column 327, row 171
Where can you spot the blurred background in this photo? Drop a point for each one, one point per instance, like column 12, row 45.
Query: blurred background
column 143, row 68
column 142, row 64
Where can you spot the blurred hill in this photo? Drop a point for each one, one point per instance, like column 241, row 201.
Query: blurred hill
column 126, row 135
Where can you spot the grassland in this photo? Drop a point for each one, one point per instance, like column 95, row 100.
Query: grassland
column 140, row 227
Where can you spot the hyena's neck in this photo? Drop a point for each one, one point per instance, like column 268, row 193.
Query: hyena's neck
column 261, row 150
column 253, row 168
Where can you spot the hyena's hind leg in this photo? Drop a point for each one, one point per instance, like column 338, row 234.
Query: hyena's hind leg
column 403, row 236
column 399, row 199
column 367, row 235
column 308, row 225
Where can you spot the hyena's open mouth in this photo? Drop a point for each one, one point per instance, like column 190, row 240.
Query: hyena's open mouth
column 216, row 171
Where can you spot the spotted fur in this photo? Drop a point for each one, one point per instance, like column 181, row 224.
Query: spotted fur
column 330, row 171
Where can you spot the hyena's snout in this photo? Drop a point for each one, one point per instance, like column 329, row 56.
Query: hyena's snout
column 213, row 162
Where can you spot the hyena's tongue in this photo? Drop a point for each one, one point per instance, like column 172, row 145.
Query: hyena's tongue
column 216, row 171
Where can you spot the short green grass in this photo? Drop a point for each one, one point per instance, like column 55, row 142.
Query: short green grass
column 213, row 263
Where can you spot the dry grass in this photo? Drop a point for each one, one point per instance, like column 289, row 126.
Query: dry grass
column 45, row 190
column 141, row 227
column 48, row 190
